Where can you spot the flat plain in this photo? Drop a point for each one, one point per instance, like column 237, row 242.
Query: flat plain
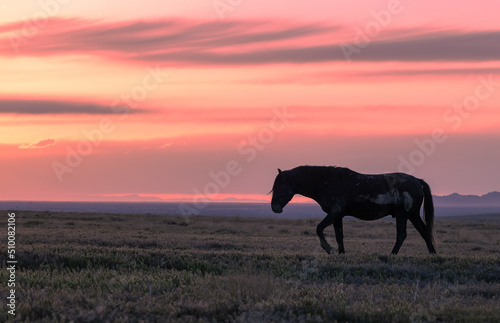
column 87, row 267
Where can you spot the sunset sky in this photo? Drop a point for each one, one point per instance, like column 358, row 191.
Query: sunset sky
column 185, row 99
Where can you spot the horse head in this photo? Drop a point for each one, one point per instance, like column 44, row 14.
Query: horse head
column 282, row 192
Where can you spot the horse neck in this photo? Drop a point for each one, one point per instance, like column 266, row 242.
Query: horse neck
column 307, row 185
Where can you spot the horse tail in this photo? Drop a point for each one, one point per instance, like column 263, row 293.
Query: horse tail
column 429, row 212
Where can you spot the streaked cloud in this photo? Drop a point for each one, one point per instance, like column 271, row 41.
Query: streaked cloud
column 245, row 42
column 42, row 107
column 139, row 39
column 434, row 71
column 38, row 144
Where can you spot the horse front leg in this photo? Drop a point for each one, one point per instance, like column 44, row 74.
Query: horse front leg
column 328, row 220
column 339, row 234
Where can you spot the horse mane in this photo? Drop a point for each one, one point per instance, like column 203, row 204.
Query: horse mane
column 307, row 174
column 325, row 172
column 310, row 176
column 313, row 172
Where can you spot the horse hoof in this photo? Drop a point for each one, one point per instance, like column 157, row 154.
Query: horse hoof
column 332, row 251
column 384, row 258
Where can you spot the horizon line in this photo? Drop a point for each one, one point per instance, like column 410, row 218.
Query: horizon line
column 154, row 198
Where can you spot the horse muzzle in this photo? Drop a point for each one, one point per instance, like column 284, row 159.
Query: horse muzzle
column 276, row 208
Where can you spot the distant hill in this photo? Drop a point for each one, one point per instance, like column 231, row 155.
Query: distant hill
column 455, row 199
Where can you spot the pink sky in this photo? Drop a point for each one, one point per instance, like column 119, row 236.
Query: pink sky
column 184, row 99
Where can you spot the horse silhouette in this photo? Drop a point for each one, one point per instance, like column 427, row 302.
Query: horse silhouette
column 342, row 192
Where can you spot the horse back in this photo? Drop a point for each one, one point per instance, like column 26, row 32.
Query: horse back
column 371, row 197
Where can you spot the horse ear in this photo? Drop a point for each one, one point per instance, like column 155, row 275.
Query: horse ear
column 279, row 171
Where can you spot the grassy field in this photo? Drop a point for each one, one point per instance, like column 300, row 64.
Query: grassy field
column 87, row 267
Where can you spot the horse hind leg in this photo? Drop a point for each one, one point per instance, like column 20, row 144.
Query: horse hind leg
column 422, row 229
column 339, row 234
column 401, row 221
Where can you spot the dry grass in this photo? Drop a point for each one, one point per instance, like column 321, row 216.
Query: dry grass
column 104, row 267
